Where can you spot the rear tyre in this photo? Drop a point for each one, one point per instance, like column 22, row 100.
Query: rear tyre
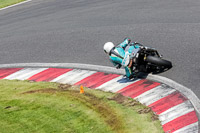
column 158, row 61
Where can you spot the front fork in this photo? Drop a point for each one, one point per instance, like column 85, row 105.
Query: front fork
column 159, row 55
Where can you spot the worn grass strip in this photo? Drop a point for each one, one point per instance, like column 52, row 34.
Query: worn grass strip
column 50, row 107
column 5, row 3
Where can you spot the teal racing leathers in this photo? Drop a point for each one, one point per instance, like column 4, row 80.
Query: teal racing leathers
column 121, row 49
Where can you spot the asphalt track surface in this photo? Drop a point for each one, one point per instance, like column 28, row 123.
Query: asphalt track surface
column 74, row 31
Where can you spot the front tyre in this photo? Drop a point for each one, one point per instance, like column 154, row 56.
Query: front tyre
column 158, row 61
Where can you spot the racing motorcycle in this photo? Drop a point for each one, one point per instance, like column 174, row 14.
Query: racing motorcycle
column 149, row 60
column 146, row 60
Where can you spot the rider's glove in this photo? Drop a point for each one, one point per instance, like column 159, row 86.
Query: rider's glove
column 118, row 66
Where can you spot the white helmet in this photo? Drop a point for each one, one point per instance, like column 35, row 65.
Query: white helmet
column 108, row 47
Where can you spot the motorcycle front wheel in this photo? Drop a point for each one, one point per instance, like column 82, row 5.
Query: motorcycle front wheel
column 158, row 61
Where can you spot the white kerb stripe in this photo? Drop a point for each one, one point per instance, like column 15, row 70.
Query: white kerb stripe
column 155, row 94
column 73, row 76
column 192, row 128
column 116, row 84
column 25, row 73
column 175, row 112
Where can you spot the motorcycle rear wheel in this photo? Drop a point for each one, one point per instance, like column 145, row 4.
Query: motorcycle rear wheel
column 158, row 61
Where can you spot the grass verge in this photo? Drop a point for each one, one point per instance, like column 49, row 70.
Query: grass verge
column 5, row 3
column 50, row 107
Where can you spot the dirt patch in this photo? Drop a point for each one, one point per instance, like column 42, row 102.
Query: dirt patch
column 61, row 87
column 120, row 99
column 97, row 104
column 102, row 108
column 47, row 90
column 155, row 117
column 64, row 86
column 106, row 112
column 148, row 110
column 144, row 111
column 7, row 107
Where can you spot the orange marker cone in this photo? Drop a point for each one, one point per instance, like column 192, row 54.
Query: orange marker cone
column 81, row 89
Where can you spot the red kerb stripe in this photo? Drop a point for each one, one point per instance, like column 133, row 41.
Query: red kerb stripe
column 167, row 102
column 8, row 71
column 137, row 88
column 180, row 122
column 49, row 74
column 96, row 79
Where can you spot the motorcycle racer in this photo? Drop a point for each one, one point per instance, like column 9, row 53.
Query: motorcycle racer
column 123, row 55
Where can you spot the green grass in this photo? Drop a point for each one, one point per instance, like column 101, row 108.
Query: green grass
column 5, row 3
column 30, row 107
